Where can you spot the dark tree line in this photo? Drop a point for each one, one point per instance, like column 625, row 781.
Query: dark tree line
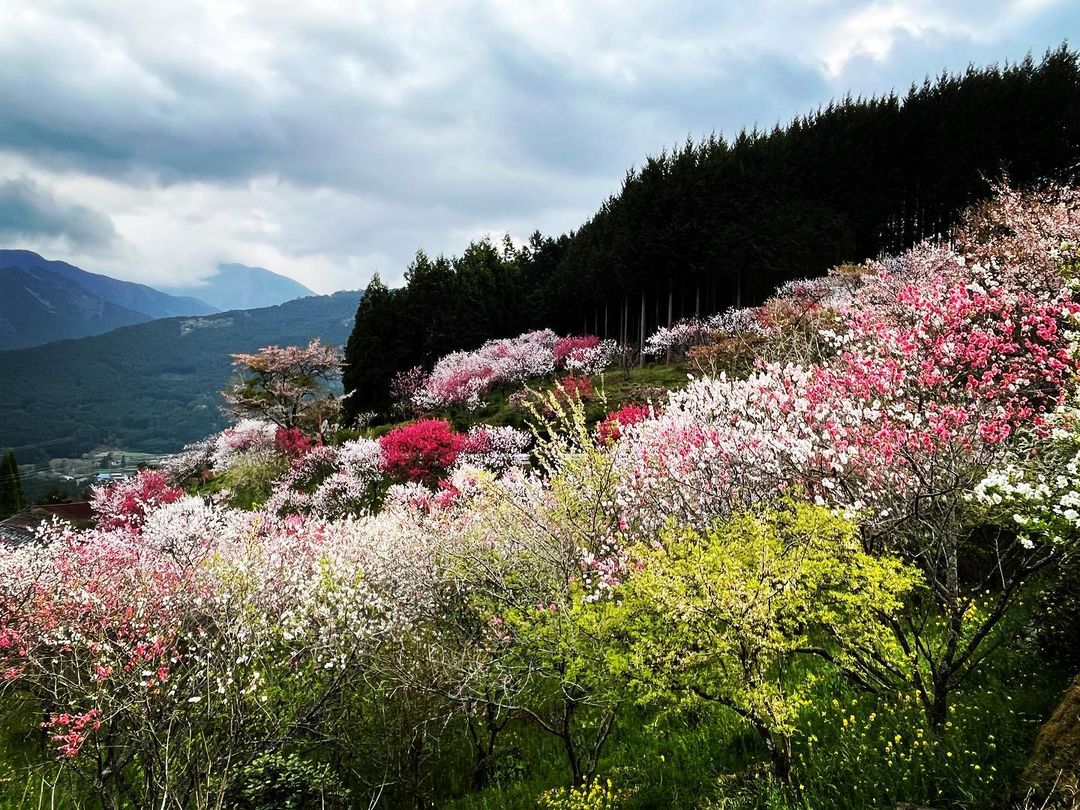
column 11, row 492
column 717, row 223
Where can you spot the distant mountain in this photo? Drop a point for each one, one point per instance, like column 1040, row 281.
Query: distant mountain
column 152, row 386
column 237, row 286
column 43, row 300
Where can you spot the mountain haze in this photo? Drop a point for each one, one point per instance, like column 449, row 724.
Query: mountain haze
column 43, row 300
column 237, row 286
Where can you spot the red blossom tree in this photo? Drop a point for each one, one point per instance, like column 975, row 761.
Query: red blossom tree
column 422, row 451
column 124, row 505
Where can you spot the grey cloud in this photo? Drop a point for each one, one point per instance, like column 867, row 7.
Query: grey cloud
column 424, row 129
column 28, row 211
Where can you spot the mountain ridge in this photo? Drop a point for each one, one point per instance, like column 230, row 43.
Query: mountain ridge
column 240, row 286
column 43, row 300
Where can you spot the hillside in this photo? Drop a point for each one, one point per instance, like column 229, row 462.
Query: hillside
column 151, row 386
column 43, row 300
column 237, row 286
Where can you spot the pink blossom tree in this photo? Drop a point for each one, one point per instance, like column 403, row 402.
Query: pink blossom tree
column 290, row 386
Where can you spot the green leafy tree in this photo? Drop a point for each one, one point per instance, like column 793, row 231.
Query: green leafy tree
column 721, row 617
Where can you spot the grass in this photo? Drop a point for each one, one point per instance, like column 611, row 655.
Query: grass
column 854, row 751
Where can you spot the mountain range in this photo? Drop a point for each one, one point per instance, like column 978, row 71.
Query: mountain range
column 43, row 300
column 151, row 386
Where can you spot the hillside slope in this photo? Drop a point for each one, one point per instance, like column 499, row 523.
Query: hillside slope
column 152, row 386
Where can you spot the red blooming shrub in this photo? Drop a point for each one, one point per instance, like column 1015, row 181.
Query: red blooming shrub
column 292, row 442
column 477, row 441
column 124, row 505
column 422, row 451
column 571, row 387
column 610, row 429
column 568, row 345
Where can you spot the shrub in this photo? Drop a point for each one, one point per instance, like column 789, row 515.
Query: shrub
column 568, row 345
column 596, row 794
column 291, row 441
column 124, row 505
column 575, row 387
column 287, row 781
column 610, row 430
column 421, row 452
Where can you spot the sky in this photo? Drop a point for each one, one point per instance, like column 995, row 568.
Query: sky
column 330, row 140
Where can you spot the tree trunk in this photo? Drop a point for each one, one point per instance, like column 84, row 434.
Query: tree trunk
column 626, row 319
column 641, row 333
column 939, row 708
column 779, row 746
column 670, row 351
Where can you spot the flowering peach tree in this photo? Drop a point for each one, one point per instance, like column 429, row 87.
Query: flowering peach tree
column 466, row 377
column 290, row 386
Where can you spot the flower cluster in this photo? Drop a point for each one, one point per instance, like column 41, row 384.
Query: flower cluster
column 941, row 362
column 495, row 448
column 466, row 377
column 422, row 452
column 291, row 441
column 125, row 635
column 330, row 481
column 1036, row 488
column 125, row 504
column 611, row 428
column 586, row 354
column 249, row 439
column 683, row 335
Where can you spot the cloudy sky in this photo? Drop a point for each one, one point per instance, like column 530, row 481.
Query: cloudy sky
column 328, row 140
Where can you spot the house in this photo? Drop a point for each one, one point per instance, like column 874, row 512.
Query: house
column 19, row 528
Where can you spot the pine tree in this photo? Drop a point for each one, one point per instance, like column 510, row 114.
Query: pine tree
column 373, row 353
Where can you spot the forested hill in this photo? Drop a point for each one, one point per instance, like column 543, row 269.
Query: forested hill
column 151, row 387
column 719, row 222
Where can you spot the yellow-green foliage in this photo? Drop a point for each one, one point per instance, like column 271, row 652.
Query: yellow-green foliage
column 521, row 557
column 596, row 794
column 723, row 614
